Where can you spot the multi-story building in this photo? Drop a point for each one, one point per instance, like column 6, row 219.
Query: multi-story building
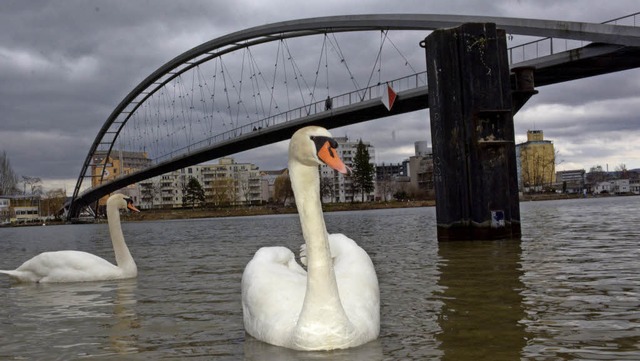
column 620, row 186
column 118, row 163
column 234, row 183
column 634, row 185
column 268, row 183
column 5, row 210
column 421, row 167
column 571, row 181
column 225, row 183
column 602, row 187
column 613, row 186
column 536, row 162
column 391, row 178
column 336, row 187
column 391, row 171
column 20, row 209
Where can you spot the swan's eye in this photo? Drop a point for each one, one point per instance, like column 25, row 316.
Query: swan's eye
column 321, row 141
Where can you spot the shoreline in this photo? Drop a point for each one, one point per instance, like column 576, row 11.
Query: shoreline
column 198, row 213
column 270, row 209
column 168, row 214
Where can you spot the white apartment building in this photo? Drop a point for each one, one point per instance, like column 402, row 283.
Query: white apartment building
column 634, row 186
column 225, row 183
column 338, row 188
column 615, row 186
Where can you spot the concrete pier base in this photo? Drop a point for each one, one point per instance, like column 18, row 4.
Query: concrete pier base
column 470, row 101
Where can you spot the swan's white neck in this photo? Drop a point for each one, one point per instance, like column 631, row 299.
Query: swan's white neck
column 123, row 256
column 322, row 307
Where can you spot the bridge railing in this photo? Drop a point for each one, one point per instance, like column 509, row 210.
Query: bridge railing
column 549, row 46
column 372, row 92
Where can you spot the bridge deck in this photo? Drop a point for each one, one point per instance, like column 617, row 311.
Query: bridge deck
column 622, row 53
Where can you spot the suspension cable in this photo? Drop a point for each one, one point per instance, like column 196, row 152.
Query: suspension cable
column 334, row 44
column 378, row 59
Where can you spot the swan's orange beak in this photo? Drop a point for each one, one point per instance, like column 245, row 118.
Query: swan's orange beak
column 132, row 207
column 328, row 155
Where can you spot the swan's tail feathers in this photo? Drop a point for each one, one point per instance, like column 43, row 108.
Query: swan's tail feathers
column 10, row 273
column 21, row 276
column 303, row 254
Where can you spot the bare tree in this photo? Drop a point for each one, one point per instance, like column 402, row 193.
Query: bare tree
column 149, row 190
column 386, row 187
column 326, row 188
column 622, row 172
column 243, row 187
column 596, row 174
column 282, row 188
column 53, row 202
column 222, row 191
column 8, row 178
column 34, row 183
column 538, row 169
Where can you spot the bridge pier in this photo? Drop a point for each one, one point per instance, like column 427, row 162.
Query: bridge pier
column 470, row 101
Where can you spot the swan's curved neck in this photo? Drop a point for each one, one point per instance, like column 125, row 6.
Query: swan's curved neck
column 322, row 289
column 123, row 256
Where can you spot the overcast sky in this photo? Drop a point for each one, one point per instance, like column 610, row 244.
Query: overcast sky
column 65, row 65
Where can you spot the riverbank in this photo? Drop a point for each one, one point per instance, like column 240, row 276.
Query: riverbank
column 166, row 214
column 178, row 213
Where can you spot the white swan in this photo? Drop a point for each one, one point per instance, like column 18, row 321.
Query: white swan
column 78, row 266
column 335, row 304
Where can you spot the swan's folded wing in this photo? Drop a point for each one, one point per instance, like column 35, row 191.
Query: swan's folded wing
column 273, row 288
column 357, row 283
column 68, row 266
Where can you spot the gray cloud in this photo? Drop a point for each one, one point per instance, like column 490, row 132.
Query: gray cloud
column 65, row 65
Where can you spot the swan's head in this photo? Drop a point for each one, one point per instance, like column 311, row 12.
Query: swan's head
column 314, row 146
column 122, row 202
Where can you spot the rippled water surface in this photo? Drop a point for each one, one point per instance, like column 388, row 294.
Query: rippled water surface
column 570, row 289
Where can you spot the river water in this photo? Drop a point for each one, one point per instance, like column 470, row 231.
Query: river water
column 569, row 289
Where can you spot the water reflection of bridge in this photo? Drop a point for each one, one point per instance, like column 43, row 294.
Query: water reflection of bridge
column 220, row 98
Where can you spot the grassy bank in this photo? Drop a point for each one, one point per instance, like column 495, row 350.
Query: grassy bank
column 164, row 214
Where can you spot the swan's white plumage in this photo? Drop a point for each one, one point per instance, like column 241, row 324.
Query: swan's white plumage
column 336, row 304
column 78, row 266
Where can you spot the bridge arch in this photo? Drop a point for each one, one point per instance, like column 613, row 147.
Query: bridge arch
column 109, row 132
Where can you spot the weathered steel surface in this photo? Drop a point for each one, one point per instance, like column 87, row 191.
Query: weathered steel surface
column 472, row 133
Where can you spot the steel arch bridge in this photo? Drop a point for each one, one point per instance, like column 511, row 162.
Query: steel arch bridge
column 618, row 45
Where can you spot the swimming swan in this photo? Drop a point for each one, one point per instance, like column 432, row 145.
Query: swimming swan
column 78, row 266
column 335, row 304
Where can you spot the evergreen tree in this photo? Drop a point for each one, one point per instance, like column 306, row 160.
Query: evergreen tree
column 193, row 194
column 363, row 171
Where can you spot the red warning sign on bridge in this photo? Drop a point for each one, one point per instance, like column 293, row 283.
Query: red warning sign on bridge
column 389, row 97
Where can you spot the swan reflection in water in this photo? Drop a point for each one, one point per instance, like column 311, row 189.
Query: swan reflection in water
column 109, row 305
column 255, row 350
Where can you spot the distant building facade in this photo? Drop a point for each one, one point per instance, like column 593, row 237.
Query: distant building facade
column 421, row 168
column 224, row 183
column 536, row 162
column 268, row 183
column 571, row 181
column 5, row 210
column 20, row 209
column 338, row 188
column 391, row 178
column 117, row 164
column 634, row 186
